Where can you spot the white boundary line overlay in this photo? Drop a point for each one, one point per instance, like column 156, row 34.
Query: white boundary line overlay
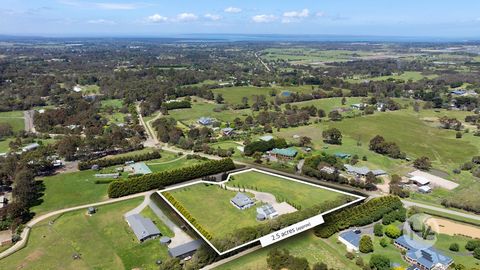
column 274, row 236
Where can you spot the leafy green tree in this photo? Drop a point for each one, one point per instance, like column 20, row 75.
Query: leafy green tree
column 422, row 163
column 332, row 136
column 476, row 253
column 335, row 115
column 454, row 247
column 379, row 262
column 392, row 231
column 366, row 244
column 384, row 242
column 378, row 230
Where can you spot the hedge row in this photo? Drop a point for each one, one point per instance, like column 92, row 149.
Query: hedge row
column 142, row 183
column 360, row 215
column 177, row 105
column 107, row 162
column 187, row 215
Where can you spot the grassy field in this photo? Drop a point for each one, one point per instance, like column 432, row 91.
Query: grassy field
column 328, row 104
column 203, row 109
column 217, row 201
column 14, row 118
column 115, row 103
column 314, row 249
column 234, row 95
column 301, row 55
column 406, row 76
column 77, row 188
column 90, row 89
column 70, row 189
column 104, row 241
column 300, row 194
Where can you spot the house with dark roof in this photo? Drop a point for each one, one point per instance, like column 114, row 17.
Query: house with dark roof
column 142, row 227
column 242, row 201
column 185, row 250
column 422, row 256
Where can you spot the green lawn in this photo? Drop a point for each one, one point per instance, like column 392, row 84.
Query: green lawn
column 303, row 55
column 234, row 95
column 70, row 189
column 406, row 76
column 222, row 217
column 328, row 104
column 203, row 109
column 462, row 256
column 306, row 245
column 14, row 118
column 115, row 103
column 103, row 240
column 77, row 188
column 284, row 190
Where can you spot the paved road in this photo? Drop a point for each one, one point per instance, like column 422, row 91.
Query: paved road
column 180, row 236
column 263, row 63
column 28, row 118
column 24, row 236
column 440, row 209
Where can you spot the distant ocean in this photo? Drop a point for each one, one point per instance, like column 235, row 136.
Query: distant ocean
column 251, row 38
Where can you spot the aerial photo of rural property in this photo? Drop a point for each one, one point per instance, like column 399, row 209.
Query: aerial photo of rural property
column 239, row 135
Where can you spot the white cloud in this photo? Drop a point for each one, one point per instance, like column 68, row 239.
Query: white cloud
column 100, row 21
column 233, row 10
column 101, row 5
column 117, row 6
column 295, row 16
column 320, row 14
column 213, row 17
column 186, row 17
column 264, row 18
column 157, row 18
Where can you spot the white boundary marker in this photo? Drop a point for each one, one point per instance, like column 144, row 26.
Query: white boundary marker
column 274, row 236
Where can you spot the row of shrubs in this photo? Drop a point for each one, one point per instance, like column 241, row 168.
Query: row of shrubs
column 158, row 180
column 177, row 105
column 250, row 233
column 187, row 215
column 360, row 215
column 107, row 162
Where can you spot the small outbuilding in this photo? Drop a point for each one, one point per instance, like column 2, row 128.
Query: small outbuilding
column 419, row 180
column 267, row 211
column 91, row 210
column 185, row 250
column 351, row 239
column 165, row 240
column 424, row 189
column 284, row 153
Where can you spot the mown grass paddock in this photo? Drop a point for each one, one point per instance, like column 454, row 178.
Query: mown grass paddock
column 103, row 241
column 204, row 202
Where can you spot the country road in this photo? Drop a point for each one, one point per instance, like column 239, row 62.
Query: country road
column 263, row 63
column 440, row 209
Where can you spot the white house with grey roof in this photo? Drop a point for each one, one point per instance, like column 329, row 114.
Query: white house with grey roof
column 242, row 201
column 142, row 227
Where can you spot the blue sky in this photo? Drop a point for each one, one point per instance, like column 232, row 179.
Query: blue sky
column 440, row 18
